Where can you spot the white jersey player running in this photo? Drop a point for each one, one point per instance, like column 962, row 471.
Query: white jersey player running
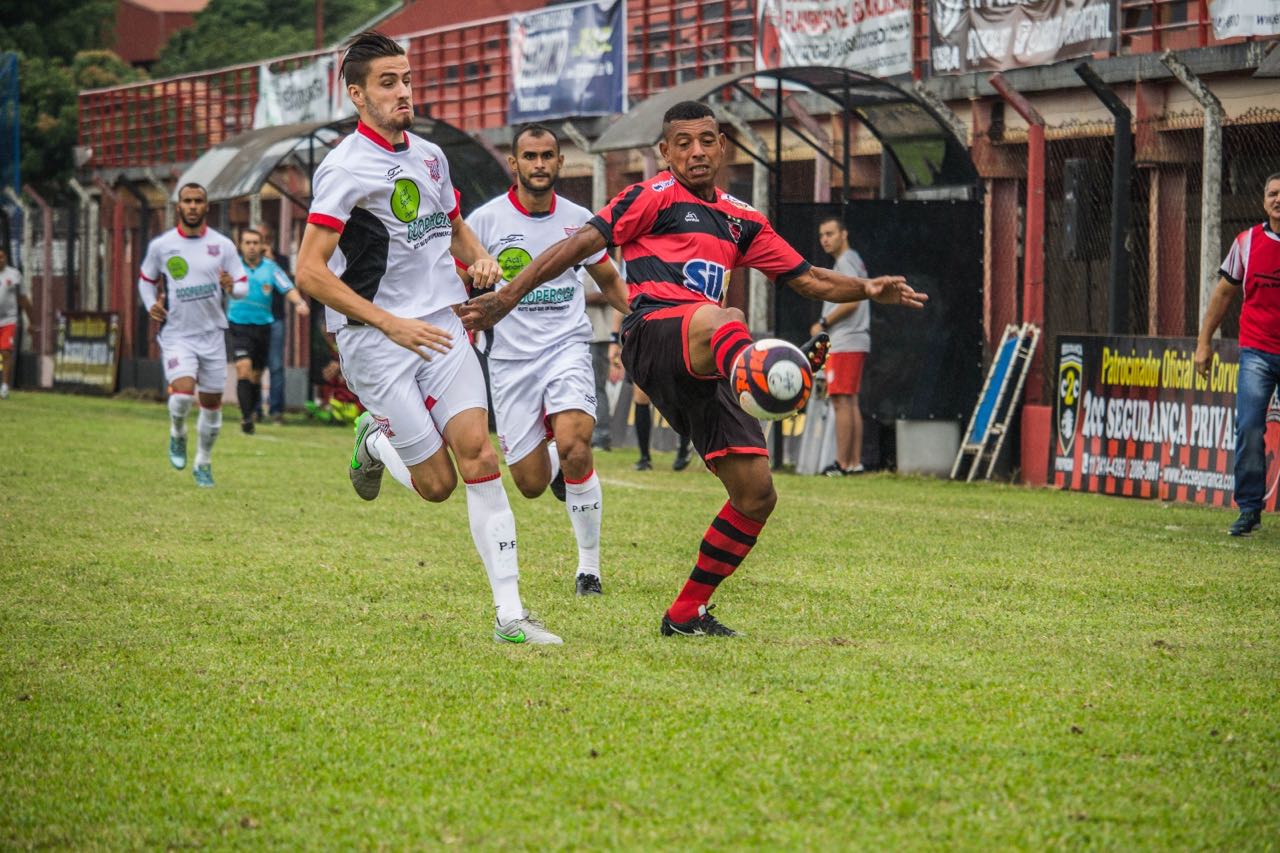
column 384, row 223
column 540, row 358
column 194, row 265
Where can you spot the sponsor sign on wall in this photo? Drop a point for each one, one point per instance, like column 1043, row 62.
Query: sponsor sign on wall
column 1132, row 417
column 568, row 61
column 992, row 35
column 87, row 352
column 303, row 94
column 1233, row 18
column 871, row 36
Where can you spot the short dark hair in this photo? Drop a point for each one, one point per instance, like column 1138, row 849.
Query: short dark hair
column 535, row 130
column 362, row 50
column 833, row 218
column 192, row 185
column 1275, row 176
column 254, row 231
column 685, row 111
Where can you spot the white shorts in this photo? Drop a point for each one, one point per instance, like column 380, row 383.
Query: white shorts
column 525, row 391
column 202, row 357
column 411, row 398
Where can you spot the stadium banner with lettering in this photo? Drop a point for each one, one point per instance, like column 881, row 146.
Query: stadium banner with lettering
column 1238, row 18
column 568, row 61
column 870, row 36
column 994, row 35
column 302, row 94
column 1133, row 418
column 88, row 352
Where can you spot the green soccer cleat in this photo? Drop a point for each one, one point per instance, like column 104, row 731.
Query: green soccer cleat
column 364, row 470
column 178, row 451
column 526, row 630
column 203, row 475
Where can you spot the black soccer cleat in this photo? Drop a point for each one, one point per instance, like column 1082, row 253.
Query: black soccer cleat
column 704, row 624
column 816, row 349
column 644, row 463
column 1249, row 521
column 557, row 486
column 682, row 459
column 246, row 426
column 588, row 584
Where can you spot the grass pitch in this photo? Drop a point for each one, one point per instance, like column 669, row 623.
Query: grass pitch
column 929, row 664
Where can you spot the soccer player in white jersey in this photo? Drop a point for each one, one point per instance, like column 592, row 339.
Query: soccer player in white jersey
column 377, row 249
column 540, row 356
column 194, row 264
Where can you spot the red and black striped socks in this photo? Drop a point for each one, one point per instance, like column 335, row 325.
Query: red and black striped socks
column 726, row 342
column 728, row 540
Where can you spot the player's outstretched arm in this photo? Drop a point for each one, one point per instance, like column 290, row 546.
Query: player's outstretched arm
column 486, row 309
column 318, row 281
column 612, row 287
column 831, row 286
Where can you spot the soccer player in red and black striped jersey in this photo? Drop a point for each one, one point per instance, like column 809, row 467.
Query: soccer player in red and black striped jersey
column 681, row 236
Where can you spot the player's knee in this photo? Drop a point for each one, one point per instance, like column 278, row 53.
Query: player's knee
column 732, row 315
column 435, row 492
column 530, row 489
column 575, row 458
column 758, row 503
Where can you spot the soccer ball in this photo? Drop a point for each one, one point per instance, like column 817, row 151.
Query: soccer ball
column 771, row 379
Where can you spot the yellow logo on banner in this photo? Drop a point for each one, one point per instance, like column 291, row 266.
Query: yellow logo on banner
column 1070, row 386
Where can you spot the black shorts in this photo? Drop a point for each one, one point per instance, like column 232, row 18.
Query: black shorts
column 251, row 341
column 655, row 353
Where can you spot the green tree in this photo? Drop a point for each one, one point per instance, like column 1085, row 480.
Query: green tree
column 55, row 28
column 232, row 32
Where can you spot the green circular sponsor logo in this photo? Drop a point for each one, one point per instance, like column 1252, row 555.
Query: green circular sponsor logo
column 405, row 199
column 177, row 267
column 513, row 260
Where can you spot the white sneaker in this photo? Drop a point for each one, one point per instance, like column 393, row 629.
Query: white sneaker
column 4, row 391
column 526, row 629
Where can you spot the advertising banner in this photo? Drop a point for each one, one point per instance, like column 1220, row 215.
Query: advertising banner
column 303, row 94
column 994, row 35
column 1237, row 18
column 87, row 353
column 568, row 61
column 871, row 36
column 1133, row 418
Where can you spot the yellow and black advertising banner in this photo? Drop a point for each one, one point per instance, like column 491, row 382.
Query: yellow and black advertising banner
column 1133, row 418
column 87, row 353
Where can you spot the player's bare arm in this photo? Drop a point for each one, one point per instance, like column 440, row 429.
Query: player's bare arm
column 1214, row 313
column 299, row 304
column 482, row 270
column 831, row 286
column 486, row 309
column 611, row 285
column 318, row 281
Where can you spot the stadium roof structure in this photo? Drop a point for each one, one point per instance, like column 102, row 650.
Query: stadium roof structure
column 242, row 165
column 928, row 153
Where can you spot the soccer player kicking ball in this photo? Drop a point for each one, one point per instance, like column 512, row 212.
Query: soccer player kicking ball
column 196, row 264
column 384, row 221
column 681, row 236
column 540, row 356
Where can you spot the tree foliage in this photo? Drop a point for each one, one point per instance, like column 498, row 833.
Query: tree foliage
column 55, row 29
column 231, row 32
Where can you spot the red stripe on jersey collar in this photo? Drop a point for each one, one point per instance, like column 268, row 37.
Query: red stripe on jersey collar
column 378, row 139
column 203, row 229
column 514, row 198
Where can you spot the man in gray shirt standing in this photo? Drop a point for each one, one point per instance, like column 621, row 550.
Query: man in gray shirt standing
column 849, row 325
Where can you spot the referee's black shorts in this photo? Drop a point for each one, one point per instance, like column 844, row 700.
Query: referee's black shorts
column 655, row 353
column 251, row 341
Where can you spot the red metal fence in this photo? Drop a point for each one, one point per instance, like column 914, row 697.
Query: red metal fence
column 461, row 72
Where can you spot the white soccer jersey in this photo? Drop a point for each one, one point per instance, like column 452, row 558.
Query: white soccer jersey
column 554, row 313
column 393, row 207
column 190, row 268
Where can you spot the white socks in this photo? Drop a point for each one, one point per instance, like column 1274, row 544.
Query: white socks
column 207, row 427
column 379, row 447
column 179, row 406
column 582, row 502
column 555, row 458
column 493, row 527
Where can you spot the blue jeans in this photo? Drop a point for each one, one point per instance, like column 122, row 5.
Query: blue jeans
column 275, row 367
column 1259, row 376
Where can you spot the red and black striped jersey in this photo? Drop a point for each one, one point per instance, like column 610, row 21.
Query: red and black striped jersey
column 680, row 248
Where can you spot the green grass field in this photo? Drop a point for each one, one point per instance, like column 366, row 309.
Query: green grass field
column 929, row 664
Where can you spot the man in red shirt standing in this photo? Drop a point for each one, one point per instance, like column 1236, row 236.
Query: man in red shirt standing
column 1254, row 263
column 681, row 236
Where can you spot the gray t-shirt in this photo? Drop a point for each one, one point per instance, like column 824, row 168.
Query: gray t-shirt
column 10, row 287
column 853, row 333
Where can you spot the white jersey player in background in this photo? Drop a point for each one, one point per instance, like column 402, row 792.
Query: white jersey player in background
column 540, row 358
column 377, row 250
column 195, row 264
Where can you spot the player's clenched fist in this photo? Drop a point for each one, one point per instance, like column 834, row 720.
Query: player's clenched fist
column 418, row 336
column 157, row 312
column 485, row 273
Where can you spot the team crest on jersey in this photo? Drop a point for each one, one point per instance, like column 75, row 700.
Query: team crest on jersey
column 570, row 230
column 663, row 185
column 735, row 229
column 433, row 167
column 405, row 199
column 177, row 267
column 1070, row 371
column 214, row 251
column 266, row 290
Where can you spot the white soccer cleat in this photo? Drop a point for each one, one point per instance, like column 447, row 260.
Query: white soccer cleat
column 527, row 630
